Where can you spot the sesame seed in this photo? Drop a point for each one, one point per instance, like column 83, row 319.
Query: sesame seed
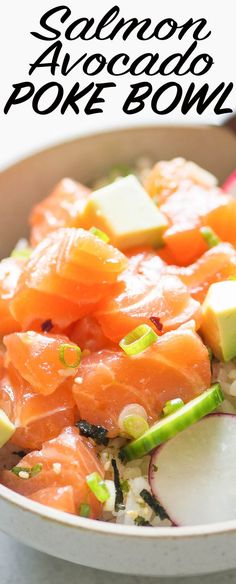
column 56, row 467
column 23, row 474
column 78, row 380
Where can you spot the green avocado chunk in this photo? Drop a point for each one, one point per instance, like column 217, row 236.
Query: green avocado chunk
column 127, row 214
column 7, row 429
column 219, row 319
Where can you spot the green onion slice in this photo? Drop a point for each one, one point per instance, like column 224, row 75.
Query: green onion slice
column 100, row 234
column 171, row 425
column 23, row 254
column 17, row 469
column 172, row 405
column 98, row 486
column 135, row 425
column 138, row 340
column 84, row 510
column 209, row 236
column 36, row 469
column 32, row 472
column 62, row 350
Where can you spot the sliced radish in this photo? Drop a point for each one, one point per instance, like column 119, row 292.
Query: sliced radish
column 230, row 184
column 193, row 476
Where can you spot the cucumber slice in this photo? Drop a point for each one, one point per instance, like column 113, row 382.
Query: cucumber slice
column 191, row 412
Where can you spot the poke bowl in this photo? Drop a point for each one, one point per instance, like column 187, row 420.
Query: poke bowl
column 173, row 525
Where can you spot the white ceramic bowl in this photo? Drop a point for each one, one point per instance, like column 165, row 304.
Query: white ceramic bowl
column 134, row 550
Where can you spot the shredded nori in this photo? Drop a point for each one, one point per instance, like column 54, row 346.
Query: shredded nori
column 20, row 453
column 122, row 457
column 47, row 326
column 97, row 433
column 157, row 322
column 139, row 520
column 153, row 504
column 119, row 500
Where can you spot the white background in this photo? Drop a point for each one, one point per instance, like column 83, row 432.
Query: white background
column 23, row 131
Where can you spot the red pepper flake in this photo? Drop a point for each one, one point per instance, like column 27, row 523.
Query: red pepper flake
column 47, row 326
column 157, row 322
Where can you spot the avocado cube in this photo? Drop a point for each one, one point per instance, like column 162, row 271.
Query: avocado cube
column 219, row 319
column 7, row 429
column 127, row 214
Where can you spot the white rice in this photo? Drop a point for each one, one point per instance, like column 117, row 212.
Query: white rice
column 135, row 475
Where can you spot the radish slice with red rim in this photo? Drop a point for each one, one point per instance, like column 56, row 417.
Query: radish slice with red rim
column 193, row 475
column 230, row 184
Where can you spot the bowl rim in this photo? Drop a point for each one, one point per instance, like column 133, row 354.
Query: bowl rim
column 113, row 529
column 90, row 525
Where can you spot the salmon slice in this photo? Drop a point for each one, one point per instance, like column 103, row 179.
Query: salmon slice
column 177, row 365
column 62, row 208
column 166, row 177
column 187, row 210
column 147, row 292
column 10, row 271
column 65, row 278
column 75, row 254
column 43, row 360
column 215, row 265
column 32, row 308
column 76, row 457
column 61, row 498
column 37, row 417
column 88, row 334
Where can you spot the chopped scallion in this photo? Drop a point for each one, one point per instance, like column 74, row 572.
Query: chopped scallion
column 98, row 487
column 65, row 347
column 36, row 469
column 32, row 472
column 172, row 405
column 209, row 236
column 84, row 510
column 17, row 469
column 99, row 233
column 135, row 425
column 21, row 254
column 138, row 340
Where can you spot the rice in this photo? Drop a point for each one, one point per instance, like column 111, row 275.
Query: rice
column 134, row 477
column 225, row 373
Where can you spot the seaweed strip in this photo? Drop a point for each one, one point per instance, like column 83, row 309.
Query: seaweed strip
column 139, row 520
column 97, row 433
column 153, row 504
column 119, row 501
